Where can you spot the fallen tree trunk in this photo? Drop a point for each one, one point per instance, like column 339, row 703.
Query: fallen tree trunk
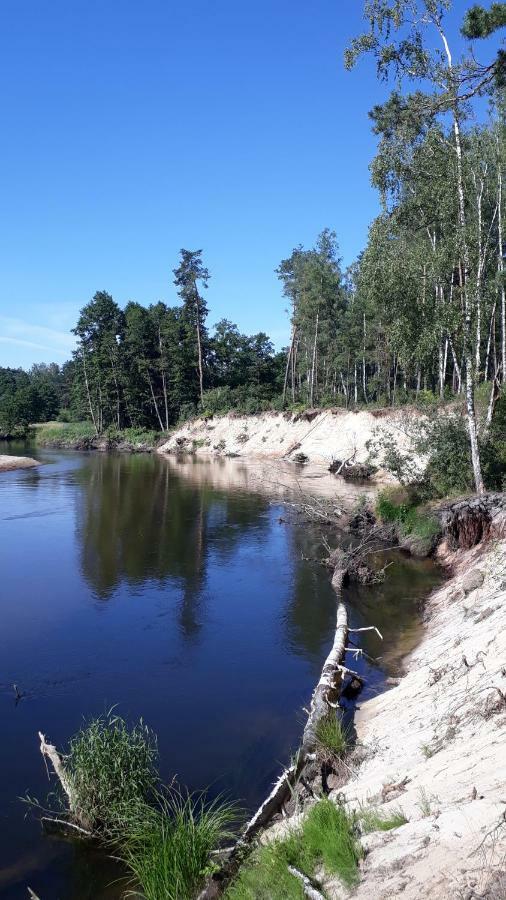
column 326, row 692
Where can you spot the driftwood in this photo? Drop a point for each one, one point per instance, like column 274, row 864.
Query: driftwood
column 65, row 827
column 309, row 889
column 271, row 804
column 50, row 752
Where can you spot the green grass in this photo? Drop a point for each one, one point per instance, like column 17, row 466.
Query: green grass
column 65, row 434
column 398, row 506
column 266, row 877
column 82, row 435
column 136, row 437
column 327, row 839
column 167, row 846
column 332, row 736
column 376, row 820
column 164, row 837
column 110, row 767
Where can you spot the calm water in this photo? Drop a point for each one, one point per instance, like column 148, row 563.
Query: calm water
column 129, row 580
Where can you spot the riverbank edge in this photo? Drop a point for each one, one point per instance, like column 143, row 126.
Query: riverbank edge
column 433, row 746
column 320, row 436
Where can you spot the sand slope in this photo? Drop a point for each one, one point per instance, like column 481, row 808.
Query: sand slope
column 320, row 435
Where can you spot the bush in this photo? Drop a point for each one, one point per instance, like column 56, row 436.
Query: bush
column 187, row 411
column 136, row 437
column 446, row 443
column 399, row 506
column 393, row 504
column 494, row 448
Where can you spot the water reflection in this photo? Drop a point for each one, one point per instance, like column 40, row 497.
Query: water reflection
column 173, row 590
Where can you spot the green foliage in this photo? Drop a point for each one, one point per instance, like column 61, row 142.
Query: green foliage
column 326, row 839
column 400, row 507
column 167, row 846
column 377, row 820
column 111, row 767
column 133, row 437
column 494, row 448
column 332, row 736
column 481, row 23
column 165, row 837
column 83, row 436
column 393, row 504
column 448, row 471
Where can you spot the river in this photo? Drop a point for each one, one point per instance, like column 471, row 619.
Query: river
column 184, row 594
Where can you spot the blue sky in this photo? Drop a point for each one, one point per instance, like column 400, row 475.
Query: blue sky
column 131, row 129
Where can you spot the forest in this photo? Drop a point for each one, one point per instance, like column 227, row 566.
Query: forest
column 420, row 316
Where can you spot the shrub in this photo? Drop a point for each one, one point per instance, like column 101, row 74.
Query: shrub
column 446, row 443
column 187, row 411
column 136, row 437
column 266, row 877
column 494, row 448
column 393, row 504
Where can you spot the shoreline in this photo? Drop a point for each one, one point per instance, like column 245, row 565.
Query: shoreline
column 433, row 746
column 10, row 463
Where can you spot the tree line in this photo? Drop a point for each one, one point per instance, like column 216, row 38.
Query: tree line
column 147, row 367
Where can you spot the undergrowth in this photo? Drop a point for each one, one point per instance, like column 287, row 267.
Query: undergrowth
column 400, row 507
column 164, row 836
column 327, row 839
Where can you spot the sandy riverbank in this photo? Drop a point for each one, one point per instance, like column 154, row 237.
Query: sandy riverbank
column 7, row 463
column 321, row 435
column 434, row 746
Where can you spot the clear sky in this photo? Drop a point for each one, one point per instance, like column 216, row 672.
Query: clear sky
column 131, row 128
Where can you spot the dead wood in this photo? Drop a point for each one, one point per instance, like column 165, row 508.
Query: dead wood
column 308, row 887
column 50, row 752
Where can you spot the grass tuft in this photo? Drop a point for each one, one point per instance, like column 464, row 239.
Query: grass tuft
column 332, row 736
column 327, row 839
column 167, row 846
column 375, row 820
column 111, row 766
